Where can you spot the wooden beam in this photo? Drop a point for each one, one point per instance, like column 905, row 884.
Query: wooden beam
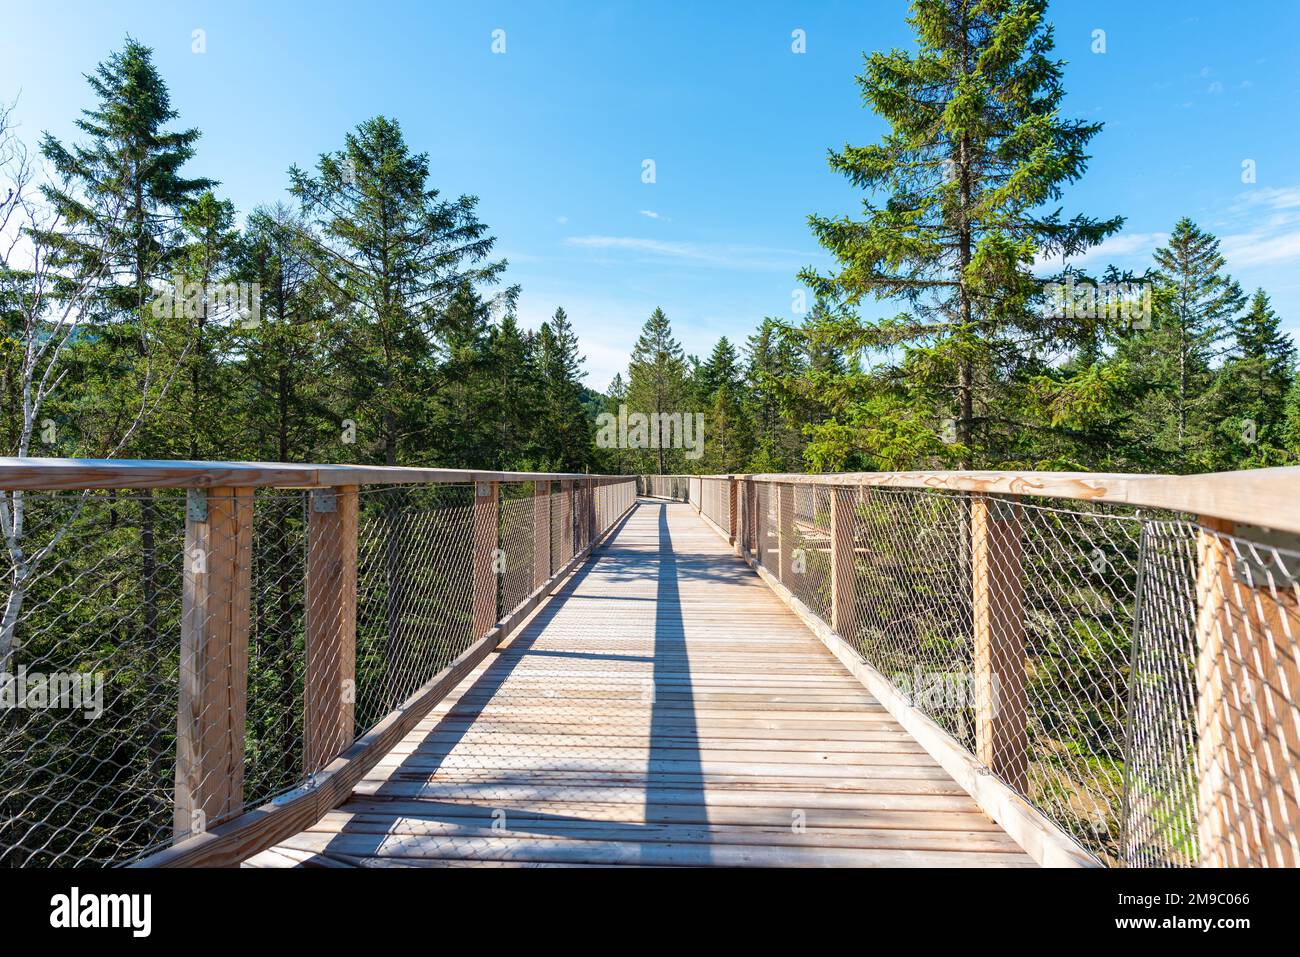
column 1248, row 720
column 329, row 691
column 541, row 532
column 732, row 510
column 210, row 715
column 56, row 474
column 843, row 577
column 1001, row 737
column 485, row 567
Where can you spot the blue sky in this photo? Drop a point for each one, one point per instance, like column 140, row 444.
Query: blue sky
column 552, row 134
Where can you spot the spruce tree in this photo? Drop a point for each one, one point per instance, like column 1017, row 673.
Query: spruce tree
column 393, row 255
column 657, row 380
column 568, row 427
column 119, row 197
column 962, row 193
column 1199, row 301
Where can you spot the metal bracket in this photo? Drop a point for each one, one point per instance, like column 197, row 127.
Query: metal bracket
column 1264, row 564
column 324, row 500
column 196, row 505
column 483, row 488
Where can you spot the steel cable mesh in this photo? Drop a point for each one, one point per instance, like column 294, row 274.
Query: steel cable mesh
column 108, row 609
column 808, row 575
column 98, row 616
column 415, row 591
column 1060, row 647
column 520, row 515
column 273, row 759
column 131, row 714
column 677, row 488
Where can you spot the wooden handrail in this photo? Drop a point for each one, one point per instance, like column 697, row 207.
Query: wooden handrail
column 1269, row 498
column 40, row 474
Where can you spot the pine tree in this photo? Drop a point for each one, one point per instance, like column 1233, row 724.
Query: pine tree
column 962, row 190
column 120, row 197
column 566, row 425
column 282, row 408
column 1195, row 302
column 1265, row 356
column 657, row 381
column 393, row 256
column 1254, row 384
column 772, row 364
column 205, row 263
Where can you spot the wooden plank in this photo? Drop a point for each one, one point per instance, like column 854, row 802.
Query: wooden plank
column 1001, row 735
column 210, row 715
column 638, row 701
column 1248, row 722
column 330, row 613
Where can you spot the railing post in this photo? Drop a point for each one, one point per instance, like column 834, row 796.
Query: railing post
column 588, row 512
column 753, row 517
column 1001, row 739
column 213, row 658
column 732, row 510
column 541, row 532
column 329, row 687
column 486, row 495
column 785, row 530
column 842, row 560
column 1247, row 737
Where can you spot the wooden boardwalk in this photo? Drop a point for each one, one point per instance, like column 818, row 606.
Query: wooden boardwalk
column 664, row 708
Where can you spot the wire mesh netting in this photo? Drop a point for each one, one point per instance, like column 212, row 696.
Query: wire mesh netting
column 170, row 659
column 1121, row 669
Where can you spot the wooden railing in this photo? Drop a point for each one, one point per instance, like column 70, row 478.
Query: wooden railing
column 1128, row 645
column 239, row 559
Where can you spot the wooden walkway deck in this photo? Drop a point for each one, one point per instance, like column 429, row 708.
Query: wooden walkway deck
column 664, row 708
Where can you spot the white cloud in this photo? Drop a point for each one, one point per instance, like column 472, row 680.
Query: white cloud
column 651, row 214
column 718, row 255
column 561, row 219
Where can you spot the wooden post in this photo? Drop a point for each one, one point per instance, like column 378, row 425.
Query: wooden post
column 753, row 517
column 541, row 532
column 732, row 511
column 329, row 688
column 842, row 560
column 785, row 530
column 1001, row 739
column 486, row 495
column 213, row 658
column 1247, row 675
